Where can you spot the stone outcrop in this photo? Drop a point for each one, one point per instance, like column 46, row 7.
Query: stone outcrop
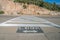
column 11, row 8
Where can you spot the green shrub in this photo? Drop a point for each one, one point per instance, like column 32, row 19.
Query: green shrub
column 1, row 12
column 24, row 6
column 38, row 13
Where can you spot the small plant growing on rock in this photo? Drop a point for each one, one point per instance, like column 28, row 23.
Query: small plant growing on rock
column 38, row 13
column 1, row 12
column 24, row 6
column 18, row 13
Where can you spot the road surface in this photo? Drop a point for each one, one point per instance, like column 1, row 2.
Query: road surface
column 10, row 25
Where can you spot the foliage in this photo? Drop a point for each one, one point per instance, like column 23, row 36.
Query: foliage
column 1, row 12
column 24, row 6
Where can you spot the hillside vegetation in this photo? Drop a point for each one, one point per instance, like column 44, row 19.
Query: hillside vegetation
column 41, row 3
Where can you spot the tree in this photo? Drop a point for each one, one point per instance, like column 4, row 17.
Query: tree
column 41, row 3
column 54, row 6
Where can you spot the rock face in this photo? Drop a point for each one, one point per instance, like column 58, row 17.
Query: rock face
column 11, row 8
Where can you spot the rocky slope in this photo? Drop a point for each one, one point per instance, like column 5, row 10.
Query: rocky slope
column 11, row 8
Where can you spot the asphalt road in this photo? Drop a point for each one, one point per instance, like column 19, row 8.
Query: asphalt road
column 4, row 18
column 49, row 33
column 53, row 19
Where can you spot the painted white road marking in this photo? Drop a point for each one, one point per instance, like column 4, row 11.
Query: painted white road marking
column 28, row 21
